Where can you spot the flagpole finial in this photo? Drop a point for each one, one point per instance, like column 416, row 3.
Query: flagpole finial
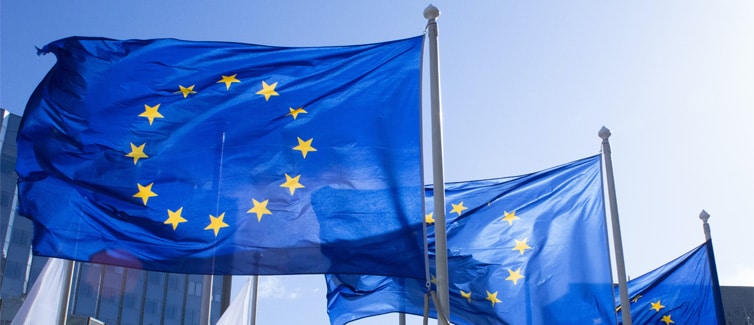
column 431, row 12
column 704, row 216
column 604, row 133
column 705, row 226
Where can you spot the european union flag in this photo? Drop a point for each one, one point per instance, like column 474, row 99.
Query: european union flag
column 521, row 250
column 227, row 158
column 684, row 291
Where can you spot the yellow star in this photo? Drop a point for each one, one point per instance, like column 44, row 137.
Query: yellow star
column 514, row 275
column 186, row 90
column 137, row 152
column 521, row 246
column 292, row 183
column 145, row 192
column 492, row 297
column 228, row 80
column 657, row 306
column 466, row 295
column 174, row 218
column 509, row 216
column 635, row 299
column 268, row 90
column 432, row 279
column 296, row 112
column 260, row 208
column 429, row 219
column 458, row 208
column 666, row 319
column 304, row 146
column 151, row 113
column 216, row 223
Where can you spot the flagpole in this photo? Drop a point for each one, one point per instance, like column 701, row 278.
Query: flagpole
column 604, row 133
column 226, row 291
column 704, row 216
column 705, row 225
column 254, row 292
column 443, row 311
column 204, row 315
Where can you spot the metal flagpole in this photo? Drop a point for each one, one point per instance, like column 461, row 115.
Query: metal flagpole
column 204, row 315
column 225, row 294
column 443, row 311
column 604, row 133
column 253, row 318
column 713, row 268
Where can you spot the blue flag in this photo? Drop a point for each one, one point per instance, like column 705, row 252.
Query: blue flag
column 684, row 291
column 522, row 250
column 226, row 158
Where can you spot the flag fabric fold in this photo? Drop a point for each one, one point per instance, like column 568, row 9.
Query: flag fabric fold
column 239, row 310
column 48, row 294
column 683, row 291
column 226, row 158
column 521, row 250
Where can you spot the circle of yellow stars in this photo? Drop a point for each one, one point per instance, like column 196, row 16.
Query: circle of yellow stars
column 520, row 245
column 259, row 208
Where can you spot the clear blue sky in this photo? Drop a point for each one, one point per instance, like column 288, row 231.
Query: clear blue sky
column 526, row 85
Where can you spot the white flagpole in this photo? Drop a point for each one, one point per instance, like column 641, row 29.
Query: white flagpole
column 705, row 226
column 713, row 268
column 443, row 310
column 604, row 133
column 205, row 315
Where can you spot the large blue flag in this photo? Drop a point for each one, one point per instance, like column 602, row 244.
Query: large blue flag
column 226, row 158
column 684, row 291
column 523, row 250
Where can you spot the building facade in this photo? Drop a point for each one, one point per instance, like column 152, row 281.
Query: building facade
column 111, row 294
column 738, row 304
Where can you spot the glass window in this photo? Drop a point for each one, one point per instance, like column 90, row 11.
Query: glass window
column 150, row 306
column 20, row 237
column 194, row 288
column 171, row 312
column 6, row 198
column 7, row 165
column 156, row 278
column 13, row 270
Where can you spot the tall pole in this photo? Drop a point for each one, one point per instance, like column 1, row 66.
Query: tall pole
column 704, row 216
column 225, row 295
column 254, row 293
column 604, row 133
column 11, row 215
column 441, row 250
column 205, row 312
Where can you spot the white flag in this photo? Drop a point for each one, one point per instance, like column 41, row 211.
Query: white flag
column 238, row 312
column 47, row 295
